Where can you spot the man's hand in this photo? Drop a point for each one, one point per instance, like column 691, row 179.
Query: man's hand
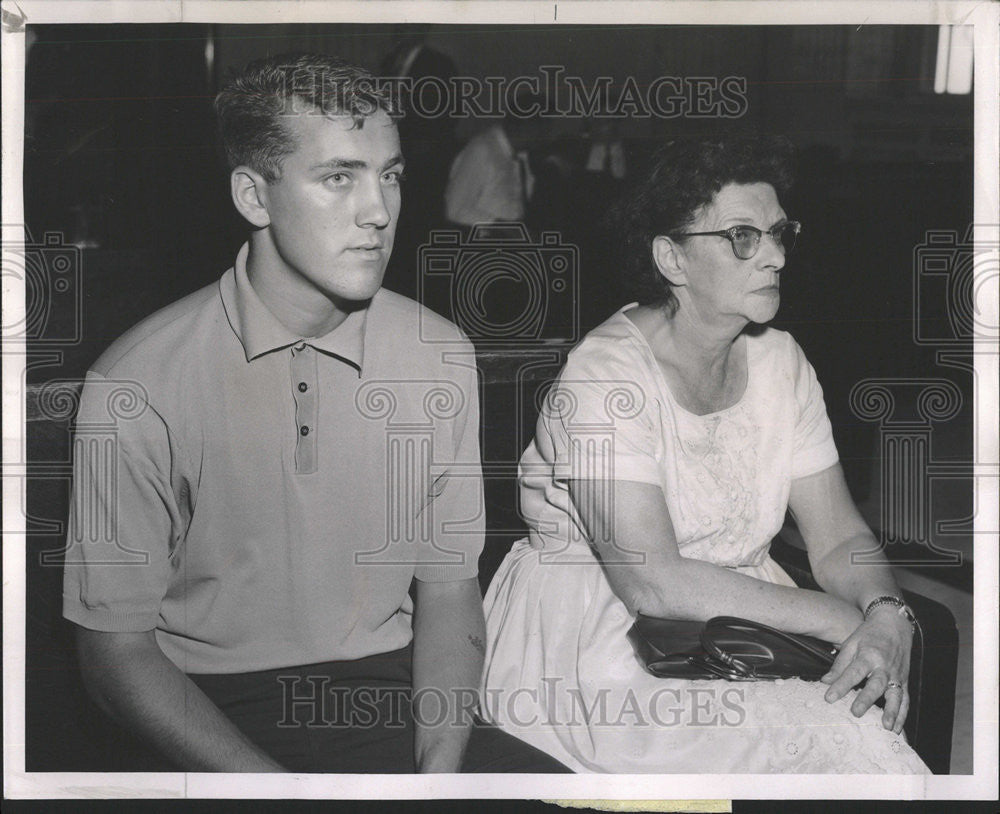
column 878, row 650
column 448, row 636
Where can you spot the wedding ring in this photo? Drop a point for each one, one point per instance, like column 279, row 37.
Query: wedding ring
column 893, row 685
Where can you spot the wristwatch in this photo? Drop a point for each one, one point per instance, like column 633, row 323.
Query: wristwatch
column 901, row 607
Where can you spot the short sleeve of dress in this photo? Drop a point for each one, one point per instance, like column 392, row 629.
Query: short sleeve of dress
column 600, row 416
column 814, row 449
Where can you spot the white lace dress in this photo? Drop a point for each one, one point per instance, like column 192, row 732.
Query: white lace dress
column 560, row 672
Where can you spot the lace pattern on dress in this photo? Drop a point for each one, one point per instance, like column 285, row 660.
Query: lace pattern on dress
column 718, row 470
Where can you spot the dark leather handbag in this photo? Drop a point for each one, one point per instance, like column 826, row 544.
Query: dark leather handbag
column 727, row 647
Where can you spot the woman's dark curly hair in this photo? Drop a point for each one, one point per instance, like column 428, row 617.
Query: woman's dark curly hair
column 684, row 176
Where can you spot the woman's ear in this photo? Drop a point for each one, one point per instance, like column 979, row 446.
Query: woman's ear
column 249, row 191
column 669, row 259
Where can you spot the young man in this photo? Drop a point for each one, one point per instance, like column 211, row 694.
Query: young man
column 292, row 457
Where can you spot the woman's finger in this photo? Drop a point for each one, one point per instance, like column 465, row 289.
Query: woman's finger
column 853, row 675
column 873, row 690
column 894, row 694
column 904, row 710
column 840, row 663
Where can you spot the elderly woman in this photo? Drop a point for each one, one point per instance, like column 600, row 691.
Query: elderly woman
column 664, row 460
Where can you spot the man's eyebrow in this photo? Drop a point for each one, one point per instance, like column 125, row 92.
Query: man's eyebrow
column 392, row 162
column 355, row 164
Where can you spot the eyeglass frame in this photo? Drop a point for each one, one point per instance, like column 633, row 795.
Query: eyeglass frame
column 727, row 233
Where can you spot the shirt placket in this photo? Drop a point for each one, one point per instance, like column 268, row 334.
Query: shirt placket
column 305, row 391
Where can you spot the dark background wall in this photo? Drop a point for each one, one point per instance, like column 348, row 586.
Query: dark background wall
column 121, row 152
column 121, row 160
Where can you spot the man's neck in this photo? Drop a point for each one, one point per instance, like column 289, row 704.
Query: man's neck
column 296, row 304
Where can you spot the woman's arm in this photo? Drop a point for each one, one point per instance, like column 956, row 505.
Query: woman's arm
column 879, row 649
column 635, row 539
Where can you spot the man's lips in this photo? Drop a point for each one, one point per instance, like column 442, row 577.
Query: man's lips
column 373, row 252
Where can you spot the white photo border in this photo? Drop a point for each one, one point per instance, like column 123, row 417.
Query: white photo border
column 18, row 783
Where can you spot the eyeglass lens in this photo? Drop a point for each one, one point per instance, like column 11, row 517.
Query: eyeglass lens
column 747, row 241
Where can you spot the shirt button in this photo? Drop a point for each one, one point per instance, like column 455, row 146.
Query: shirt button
column 303, row 430
column 303, row 387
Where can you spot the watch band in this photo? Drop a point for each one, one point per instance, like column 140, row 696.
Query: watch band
column 901, row 607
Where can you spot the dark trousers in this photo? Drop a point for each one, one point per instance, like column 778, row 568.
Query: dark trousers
column 357, row 717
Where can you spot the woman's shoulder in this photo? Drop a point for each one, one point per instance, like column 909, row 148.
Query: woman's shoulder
column 778, row 363
column 614, row 343
column 773, row 344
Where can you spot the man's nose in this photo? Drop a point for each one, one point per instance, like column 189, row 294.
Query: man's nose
column 372, row 209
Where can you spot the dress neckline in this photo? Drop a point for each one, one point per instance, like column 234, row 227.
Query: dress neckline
column 662, row 380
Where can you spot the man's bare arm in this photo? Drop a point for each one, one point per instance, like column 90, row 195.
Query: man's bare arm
column 448, row 648
column 128, row 676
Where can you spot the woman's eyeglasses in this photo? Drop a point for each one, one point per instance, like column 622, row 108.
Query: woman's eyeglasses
column 745, row 240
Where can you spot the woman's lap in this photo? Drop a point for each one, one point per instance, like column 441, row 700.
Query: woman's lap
column 562, row 676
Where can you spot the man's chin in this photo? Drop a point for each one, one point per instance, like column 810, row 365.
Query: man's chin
column 356, row 297
column 348, row 306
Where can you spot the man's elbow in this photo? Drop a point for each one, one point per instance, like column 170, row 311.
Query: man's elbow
column 104, row 660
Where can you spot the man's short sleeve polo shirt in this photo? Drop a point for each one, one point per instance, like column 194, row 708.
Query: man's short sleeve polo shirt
column 266, row 499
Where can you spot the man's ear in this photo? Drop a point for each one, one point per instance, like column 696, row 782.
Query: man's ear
column 249, row 191
column 669, row 259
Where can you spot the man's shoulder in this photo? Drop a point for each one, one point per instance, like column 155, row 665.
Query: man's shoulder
column 404, row 325
column 171, row 332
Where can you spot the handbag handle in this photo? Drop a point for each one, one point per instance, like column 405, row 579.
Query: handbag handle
column 822, row 653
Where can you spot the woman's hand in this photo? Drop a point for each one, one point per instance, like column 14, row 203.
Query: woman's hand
column 840, row 622
column 878, row 650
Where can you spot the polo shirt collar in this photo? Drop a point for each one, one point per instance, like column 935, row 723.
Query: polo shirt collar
column 260, row 332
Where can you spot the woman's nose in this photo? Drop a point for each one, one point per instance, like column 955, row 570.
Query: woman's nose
column 771, row 250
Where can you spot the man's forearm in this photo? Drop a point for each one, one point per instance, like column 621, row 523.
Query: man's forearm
column 129, row 678
column 448, row 648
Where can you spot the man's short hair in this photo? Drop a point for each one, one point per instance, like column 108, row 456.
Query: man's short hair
column 255, row 101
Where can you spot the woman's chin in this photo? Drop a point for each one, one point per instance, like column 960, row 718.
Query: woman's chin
column 764, row 312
